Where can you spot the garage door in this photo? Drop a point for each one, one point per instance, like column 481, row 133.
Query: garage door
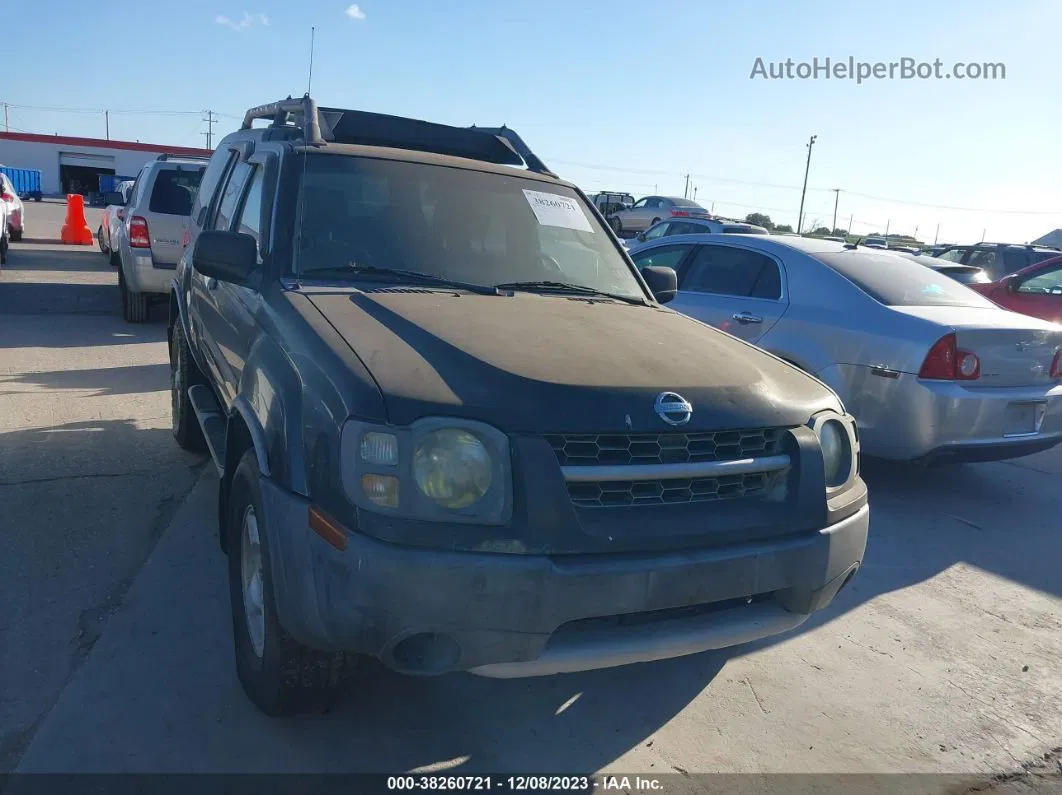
column 86, row 160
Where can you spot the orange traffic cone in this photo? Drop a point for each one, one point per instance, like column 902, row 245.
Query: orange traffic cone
column 75, row 229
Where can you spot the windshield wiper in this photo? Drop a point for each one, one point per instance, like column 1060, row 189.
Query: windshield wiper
column 398, row 275
column 565, row 287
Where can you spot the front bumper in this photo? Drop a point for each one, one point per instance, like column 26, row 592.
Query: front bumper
column 906, row 418
column 424, row 611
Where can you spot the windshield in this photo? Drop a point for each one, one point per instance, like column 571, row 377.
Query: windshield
column 894, row 280
column 470, row 226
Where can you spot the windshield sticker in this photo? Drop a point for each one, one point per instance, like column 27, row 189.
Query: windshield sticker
column 552, row 209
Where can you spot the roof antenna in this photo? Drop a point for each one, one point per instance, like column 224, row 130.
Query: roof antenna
column 309, row 80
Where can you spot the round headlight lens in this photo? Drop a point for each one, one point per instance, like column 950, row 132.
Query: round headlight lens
column 833, row 439
column 452, row 467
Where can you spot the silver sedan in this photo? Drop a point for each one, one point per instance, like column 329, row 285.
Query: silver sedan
column 930, row 369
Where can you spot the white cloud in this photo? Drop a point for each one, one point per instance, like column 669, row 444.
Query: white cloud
column 248, row 21
column 354, row 12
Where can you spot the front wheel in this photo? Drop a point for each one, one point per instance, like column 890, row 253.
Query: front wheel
column 99, row 239
column 279, row 675
column 16, row 235
column 616, row 224
column 3, row 251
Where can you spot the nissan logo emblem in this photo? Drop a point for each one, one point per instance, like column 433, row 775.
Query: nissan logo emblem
column 673, row 409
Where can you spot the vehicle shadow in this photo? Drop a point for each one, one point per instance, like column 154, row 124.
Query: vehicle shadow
column 132, row 379
column 68, row 259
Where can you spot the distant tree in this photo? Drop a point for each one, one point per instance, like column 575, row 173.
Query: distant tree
column 759, row 219
column 838, row 232
column 820, row 231
column 783, row 228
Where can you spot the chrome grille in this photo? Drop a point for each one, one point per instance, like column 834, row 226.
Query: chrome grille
column 664, row 448
column 620, row 493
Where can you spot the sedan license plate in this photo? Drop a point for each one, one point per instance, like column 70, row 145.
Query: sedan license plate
column 1024, row 419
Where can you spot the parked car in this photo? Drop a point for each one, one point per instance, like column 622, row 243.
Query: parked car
column 26, row 181
column 16, row 214
column 4, row 234
column 652, row 210
column 998, row 259
column 931, row 370
column 875, row 242
column 693, row 226
column 112, row 215
column 608, row 202
column 964, row 274
column 443, row 447
column 147, row 243
column 1035, row 291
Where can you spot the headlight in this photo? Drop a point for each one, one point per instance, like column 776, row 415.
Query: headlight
column 452, row 467
column 837, row 450
column 439, row 469
column 834, row 443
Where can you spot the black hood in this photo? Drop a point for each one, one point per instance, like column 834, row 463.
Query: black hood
column 553, row 364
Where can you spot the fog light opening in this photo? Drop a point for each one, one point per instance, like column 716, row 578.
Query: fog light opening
column 426, row 653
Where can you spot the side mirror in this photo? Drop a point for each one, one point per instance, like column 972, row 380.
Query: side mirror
column 114, row 197
column 662, row 281
column 640, row 237
column 226, row 256
column 1010, row 283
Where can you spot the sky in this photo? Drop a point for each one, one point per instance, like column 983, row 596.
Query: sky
column 617, row 95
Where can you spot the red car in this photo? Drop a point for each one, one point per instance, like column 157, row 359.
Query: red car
column 1036, row 290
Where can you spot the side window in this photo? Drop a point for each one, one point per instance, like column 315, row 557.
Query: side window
column 660, row 230
column 136, row 190
column 723, row 270
column 251, row 214
column 230, row 197
column 684, row 228
column 1047, row 282
column 640, row 204
column 984, row 258
column 211, row 177
column 1014, row 260
column 952, row 255
column 666, row 256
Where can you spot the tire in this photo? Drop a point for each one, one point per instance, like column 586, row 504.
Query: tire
column 99, row 239
column 116, row 260
column 184, row 374
column 134, row 305
column 16, row 235
column 279, row 675
column 616, row 224
column 3, row 251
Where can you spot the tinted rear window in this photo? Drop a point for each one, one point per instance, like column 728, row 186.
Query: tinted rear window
column 894, row 280
column 685, row 203
column 744, row 230
column 174, row 191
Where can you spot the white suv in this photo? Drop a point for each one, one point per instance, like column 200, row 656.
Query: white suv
column 150, row 238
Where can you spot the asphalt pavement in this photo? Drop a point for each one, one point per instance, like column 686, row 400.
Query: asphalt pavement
column 941, row 657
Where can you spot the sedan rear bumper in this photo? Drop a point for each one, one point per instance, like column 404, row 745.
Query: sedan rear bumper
column 907, row 418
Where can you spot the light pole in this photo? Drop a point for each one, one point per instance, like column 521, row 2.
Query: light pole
column 807, row 167
column 836, row 197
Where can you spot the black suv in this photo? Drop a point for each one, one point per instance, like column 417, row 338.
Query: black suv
column 997, row 259
column 456, row 429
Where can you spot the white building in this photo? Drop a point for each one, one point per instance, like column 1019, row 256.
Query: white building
column 73, row 165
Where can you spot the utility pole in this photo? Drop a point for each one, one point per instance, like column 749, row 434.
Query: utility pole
column 936, row 235
column 686, row 193
column 107, row 123
column 695, row 193
column 983, row 231
column 916, row 233
column 851, row 218
column 211, row 118
column 712, row 211
column 836, row 197
column 807, row 167
column 6, row 127
column 887, row 223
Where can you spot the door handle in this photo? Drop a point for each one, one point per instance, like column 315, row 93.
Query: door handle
column 747, row 317
column 211, row 282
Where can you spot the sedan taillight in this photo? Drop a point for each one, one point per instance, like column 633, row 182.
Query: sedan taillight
column 138, row 233
column 945, row 362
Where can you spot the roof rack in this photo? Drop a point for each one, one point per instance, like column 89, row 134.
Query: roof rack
column 320, row 126
column 167, row 156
